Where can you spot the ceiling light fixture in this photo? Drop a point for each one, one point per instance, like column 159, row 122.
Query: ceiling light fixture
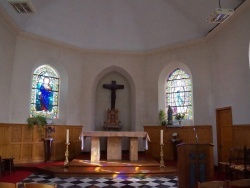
column 23, row 6
column 220, row 15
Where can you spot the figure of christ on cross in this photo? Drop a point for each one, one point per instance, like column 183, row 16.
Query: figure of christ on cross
column 113, row 87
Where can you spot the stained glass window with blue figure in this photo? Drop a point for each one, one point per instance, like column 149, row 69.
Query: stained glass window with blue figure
column 44, row 99
column 45, row 89
column 179, row 93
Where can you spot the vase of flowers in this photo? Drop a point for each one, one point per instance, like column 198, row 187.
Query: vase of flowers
column 49, row 130
column 179, row 117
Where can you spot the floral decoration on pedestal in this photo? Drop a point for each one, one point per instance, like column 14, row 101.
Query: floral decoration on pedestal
column 49, row 130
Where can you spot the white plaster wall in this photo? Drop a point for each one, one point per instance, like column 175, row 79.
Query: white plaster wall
column 80, row 74
column 228, row 58
column 230, row 67
column 194, row 60
column 96, row 67
column 29, row 55
column 7, row 51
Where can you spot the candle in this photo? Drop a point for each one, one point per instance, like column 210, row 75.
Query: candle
column 67, row 136
column 161, row 136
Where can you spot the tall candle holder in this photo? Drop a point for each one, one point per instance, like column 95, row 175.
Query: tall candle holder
column 161, row 155
column 66, row 154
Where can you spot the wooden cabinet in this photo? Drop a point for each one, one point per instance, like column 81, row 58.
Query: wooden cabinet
column 185, row 133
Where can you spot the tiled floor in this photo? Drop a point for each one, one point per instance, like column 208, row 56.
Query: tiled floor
column 168, row 181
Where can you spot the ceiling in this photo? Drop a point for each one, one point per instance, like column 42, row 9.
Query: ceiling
column 130, row 25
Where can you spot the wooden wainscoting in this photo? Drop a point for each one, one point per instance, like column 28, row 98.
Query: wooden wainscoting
column 241, row 135
column 185, row 133
column 25, row 145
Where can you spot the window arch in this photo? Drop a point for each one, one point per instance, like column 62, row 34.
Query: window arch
column 179, row 93
column 45, row 92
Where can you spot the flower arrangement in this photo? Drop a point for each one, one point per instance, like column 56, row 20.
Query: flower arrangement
column 49, row 130
column 179, row 116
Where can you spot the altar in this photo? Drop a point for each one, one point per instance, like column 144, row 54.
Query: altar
column 114, row 146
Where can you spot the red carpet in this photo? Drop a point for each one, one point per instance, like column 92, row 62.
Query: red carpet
column 24, row 170
column 15, row 176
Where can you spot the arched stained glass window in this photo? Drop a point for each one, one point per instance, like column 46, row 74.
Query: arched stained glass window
column 45, row 92
column 179, row 93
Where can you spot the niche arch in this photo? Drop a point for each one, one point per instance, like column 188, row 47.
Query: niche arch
column 106, row 75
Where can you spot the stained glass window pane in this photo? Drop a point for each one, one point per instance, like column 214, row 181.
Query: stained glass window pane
column 179, row 93
column 45, row 92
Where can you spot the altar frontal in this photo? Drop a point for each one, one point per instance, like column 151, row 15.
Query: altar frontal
column 114, row 146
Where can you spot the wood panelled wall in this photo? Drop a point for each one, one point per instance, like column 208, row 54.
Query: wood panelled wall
column 23, row 143
column 185, row 133
column 241, row 135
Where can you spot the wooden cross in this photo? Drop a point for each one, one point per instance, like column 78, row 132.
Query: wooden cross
column 113, row 87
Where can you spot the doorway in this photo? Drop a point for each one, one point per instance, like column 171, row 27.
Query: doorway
column 224, row 132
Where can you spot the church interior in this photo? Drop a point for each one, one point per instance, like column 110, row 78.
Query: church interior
column 102, row 72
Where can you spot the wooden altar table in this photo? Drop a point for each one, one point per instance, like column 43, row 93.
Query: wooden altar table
column 114, row 146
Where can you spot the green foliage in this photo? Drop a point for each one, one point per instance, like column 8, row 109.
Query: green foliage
column 162, row 116
column 39, row 121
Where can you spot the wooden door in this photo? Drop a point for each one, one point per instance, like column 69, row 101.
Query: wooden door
column 224, row 132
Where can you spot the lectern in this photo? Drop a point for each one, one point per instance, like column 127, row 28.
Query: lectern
column 195, row 163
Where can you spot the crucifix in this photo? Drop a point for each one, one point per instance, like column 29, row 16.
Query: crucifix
column 113, row 87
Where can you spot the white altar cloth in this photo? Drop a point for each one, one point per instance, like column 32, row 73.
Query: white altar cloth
column 114, row 143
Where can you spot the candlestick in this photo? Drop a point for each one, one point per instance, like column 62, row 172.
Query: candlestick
column 67, row 136
column 161, row 155
column 161, row 137
column 66, row 155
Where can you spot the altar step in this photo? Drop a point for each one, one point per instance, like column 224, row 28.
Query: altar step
column 83, row 167
column 123, row 168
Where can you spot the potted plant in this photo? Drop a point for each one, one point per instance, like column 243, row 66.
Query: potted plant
column 39, row 121
column 162, row 117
